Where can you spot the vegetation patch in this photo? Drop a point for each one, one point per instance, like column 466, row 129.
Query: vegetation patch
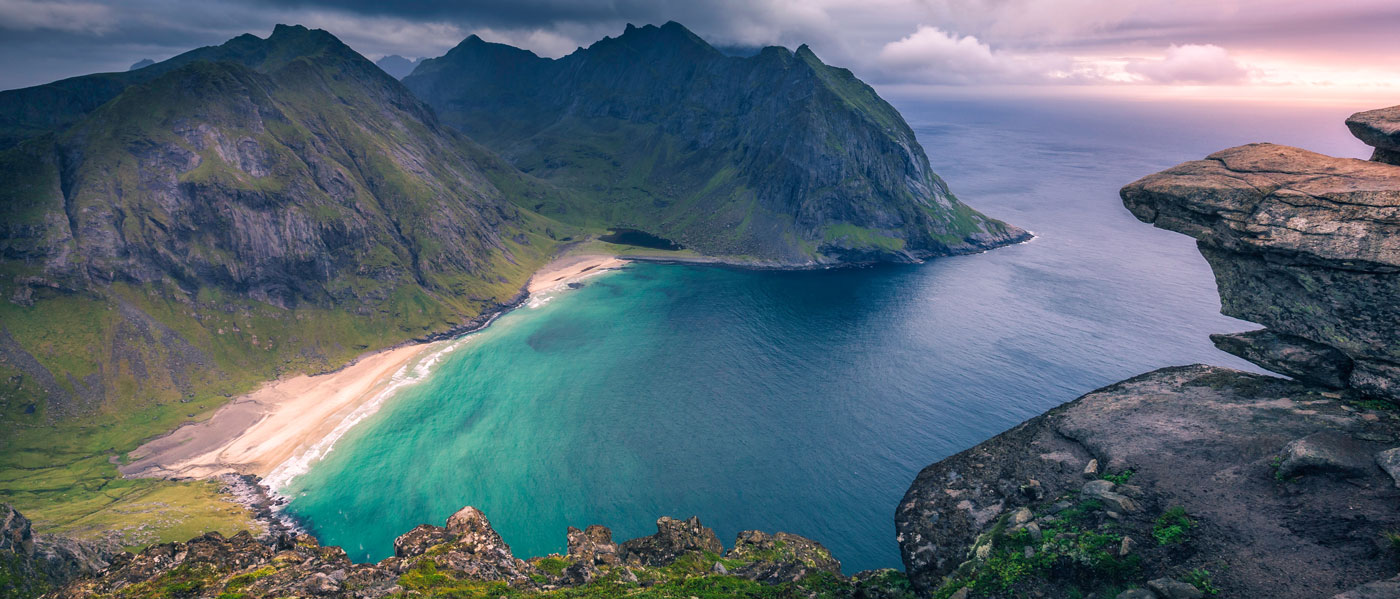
column 1067, row 550
column 1172, row 527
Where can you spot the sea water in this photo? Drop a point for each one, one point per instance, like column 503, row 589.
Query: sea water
column 807, row 401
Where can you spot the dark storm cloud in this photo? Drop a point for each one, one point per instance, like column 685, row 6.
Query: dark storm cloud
column 941, row 42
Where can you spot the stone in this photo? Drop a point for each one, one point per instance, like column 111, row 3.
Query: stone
column 1125, row 547
column 1389, row 461
column 720, row 569
column 1136, row 594
column 1168, row 588
column 961, row 593
column 1290, row 355
column 1377, row 378
column 1326, row 452
column 1378, row 128
column 1035, row 532
column 673, row 539
column 1022, row 515
column 1380, row 589
column 593, row 545
column 30, row 562
column 1095, row 488
column 1102, row 490
column 1091, row 470
column 1033, row 490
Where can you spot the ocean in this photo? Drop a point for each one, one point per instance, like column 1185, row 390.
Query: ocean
column 807, row 401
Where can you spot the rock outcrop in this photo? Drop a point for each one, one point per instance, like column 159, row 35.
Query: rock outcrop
column 31, row 564
column 1201, row 480
column 1379, row 129
column 775, row 158
column 468, row 558
column 1304, row 244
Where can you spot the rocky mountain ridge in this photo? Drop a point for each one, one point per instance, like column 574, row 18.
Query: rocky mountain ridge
column 776, row 158
column 1198, row 480
column 242, row 212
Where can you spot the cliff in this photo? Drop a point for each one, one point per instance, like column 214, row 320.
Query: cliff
column 265, row 207
column 466, row 558
column 31, row 564
column 776, row 158
column 1198, row 480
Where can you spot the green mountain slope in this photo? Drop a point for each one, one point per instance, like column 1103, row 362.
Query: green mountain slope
column 282, row 209
column 775, row 158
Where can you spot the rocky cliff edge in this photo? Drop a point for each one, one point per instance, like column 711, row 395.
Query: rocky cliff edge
column 1201, row 481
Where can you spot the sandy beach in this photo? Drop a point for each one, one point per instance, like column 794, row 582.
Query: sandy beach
column 571, row 269
column 288, row 423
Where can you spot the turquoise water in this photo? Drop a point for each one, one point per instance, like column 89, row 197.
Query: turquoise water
column 800, row 401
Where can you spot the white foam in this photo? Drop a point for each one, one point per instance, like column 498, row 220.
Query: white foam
column 410, row 374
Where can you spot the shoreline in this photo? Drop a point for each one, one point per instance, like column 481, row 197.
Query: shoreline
column 265, row 438
column 276, row 431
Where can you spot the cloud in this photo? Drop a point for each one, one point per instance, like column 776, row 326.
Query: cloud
column 963, row 42
column 540, row 41
column 1192, row 63
column 78, row 17
column 932, row 55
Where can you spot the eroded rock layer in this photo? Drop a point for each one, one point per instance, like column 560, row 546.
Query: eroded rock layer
column 1304, row 244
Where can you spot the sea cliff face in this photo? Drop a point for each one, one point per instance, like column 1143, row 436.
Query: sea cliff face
column 776, row 158
column 1202, row 480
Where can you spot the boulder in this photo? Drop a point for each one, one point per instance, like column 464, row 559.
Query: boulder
column 1380, row 589
column 1136, row 594
column 780, row 557
column 1325, row 452
column 1376, row 378
column 1389, row 461
column 1168, row 588
column 1305, row 244
column 673, row 539
column 418, row 540
column 593, row 545
column 34, row 562
column 1102, row 490
column 1291, row 355
column 1379, row 129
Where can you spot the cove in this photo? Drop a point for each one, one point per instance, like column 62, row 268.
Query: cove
column 796, row 401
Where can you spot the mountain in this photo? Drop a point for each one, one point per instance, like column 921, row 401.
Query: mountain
column 774, row 158
column 141, row 64
column 282, row 206
column 398, row 66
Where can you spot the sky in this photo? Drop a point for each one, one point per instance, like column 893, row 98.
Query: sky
column 1260, row 50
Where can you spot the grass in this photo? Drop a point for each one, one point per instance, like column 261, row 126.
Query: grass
column 1173, row 527
column 691, row 576
column 1378, row 405
column 1201, row 579
column 1084, row 558
column 1120, row 478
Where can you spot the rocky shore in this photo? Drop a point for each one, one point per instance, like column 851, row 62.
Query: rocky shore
column 467, row 558
column 1201, row 481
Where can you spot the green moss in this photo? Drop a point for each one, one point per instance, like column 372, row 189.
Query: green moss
column 852, row 236
column 554, row 566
